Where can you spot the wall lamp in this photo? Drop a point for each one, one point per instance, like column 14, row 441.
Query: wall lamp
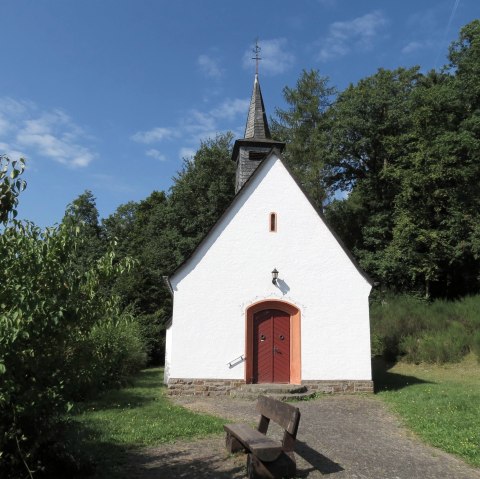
column 274, row 276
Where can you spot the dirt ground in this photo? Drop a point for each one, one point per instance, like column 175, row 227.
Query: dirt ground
column 339, row 436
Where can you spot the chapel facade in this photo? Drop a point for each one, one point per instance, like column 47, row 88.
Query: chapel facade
column 270, row 295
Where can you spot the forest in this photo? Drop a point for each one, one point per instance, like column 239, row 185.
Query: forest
column 393, row 161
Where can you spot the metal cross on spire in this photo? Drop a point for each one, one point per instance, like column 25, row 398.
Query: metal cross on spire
column 257, row 58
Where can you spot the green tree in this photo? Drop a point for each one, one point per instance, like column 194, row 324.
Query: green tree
column 464, row 56
column 437, row 208
column 201, row 192
column 305, row 129
column 162, row 230
column 10, row 186
column 61, row 337
column 371, row 134
column 83, row 214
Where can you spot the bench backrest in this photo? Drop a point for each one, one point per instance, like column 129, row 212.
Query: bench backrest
column 285, row 415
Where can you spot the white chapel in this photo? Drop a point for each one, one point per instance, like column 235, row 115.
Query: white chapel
column 270, row 295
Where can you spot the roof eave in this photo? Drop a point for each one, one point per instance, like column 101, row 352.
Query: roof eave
column 256, row 142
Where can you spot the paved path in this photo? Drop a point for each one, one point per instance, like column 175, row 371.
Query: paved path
column 339, row 437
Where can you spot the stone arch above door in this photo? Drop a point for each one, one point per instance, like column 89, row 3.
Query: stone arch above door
column 295, row 339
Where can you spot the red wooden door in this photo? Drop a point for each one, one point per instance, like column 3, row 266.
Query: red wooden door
column 271, row 346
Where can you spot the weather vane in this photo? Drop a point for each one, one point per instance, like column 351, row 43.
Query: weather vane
column 257, row 58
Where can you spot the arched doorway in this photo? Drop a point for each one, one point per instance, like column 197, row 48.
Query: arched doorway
column 273, row 343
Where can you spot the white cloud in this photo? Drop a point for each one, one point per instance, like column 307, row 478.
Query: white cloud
column 275, row 58
column 51, row 134
column 11, row 112
column 195, row 126
column 186, row 153
column 210, row 66
column 12, row 153
column 155, row 154
column 154, row 135
column 198, row 121
column 415, row 46
column 231, row 108
column 359, row 32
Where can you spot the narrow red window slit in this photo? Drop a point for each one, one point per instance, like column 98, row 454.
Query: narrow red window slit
column 273, row 222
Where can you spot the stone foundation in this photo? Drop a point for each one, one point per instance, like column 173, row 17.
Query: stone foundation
column 342, row 387
column 223, row 387
column 202, row 387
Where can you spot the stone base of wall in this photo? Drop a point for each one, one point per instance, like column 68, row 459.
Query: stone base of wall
column 223, row 387
column 202, row 387
column 342, row 387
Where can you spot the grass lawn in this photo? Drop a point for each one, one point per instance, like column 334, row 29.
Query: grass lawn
column 120, row 421
column 441, row 404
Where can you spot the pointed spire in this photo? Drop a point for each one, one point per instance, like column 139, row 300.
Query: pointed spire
column 257, row 125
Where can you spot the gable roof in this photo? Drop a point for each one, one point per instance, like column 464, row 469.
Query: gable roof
column 241, row 192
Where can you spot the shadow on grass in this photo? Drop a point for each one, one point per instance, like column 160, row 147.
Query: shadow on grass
column 149, row 378
column 107, row 460
column 318, row 461
column 118, row 399
column 168, row 464
column 384, row 380
column 146, row 388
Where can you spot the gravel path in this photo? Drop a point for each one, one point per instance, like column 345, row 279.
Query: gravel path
column 339, row 436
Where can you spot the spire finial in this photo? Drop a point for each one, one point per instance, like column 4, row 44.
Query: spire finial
column 257, row 58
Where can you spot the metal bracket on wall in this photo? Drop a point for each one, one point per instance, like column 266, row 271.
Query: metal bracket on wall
column 236, row 361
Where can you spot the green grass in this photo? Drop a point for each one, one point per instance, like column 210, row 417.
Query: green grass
column 441, row 404
column 110, row 428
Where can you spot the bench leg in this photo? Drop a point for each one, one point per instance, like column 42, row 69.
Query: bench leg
column 284, row 466
column 232, row 444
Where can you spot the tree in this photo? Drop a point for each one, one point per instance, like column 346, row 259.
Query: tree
column 10, row 186
column 62, row 336
column 162, row 230
column 201, row 191
column 82, row 213
column 304, row 127
column 437, row 208
column 370, row 136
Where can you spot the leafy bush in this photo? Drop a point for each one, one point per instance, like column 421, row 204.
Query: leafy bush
column 153, row 327
column 118, row 350
column 476, row 344
column 444, row 346
column 56, row 329
column 106, row 357
column 440, row 332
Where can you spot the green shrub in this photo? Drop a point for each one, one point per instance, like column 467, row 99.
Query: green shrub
column 377, row 345
column 444, row 346
column 153, row 327
column 105, row 358
column 54, row 324
column 476, row 344
column 118, row 351
column 441, row 331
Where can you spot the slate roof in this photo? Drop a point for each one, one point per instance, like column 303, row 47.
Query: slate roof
column 257, row 125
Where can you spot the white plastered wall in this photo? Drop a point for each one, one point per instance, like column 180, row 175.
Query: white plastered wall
column 168, row 353
column 232, row 270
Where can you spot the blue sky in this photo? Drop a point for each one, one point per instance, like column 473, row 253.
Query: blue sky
column 110, row 95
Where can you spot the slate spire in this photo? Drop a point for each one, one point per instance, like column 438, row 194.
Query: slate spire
column 257, row 124
column 257, row 142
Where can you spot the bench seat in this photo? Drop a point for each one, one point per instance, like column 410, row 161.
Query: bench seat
column 265, row 448
column 266, row 457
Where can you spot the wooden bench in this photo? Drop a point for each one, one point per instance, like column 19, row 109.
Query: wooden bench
column 267, row 458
